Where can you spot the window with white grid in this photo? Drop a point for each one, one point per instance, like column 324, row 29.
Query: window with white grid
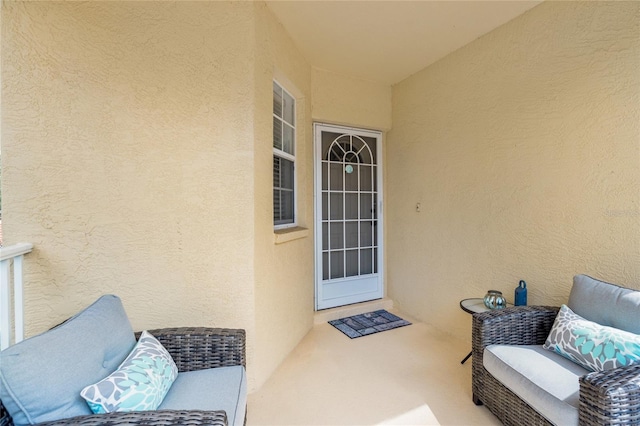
column 284, row 159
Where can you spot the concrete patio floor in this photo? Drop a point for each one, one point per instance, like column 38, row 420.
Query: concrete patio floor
column 406, row 376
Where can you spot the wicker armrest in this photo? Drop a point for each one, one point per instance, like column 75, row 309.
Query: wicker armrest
column 161, row 417
column 198, row 348
column 611, row 397
column 519, row 325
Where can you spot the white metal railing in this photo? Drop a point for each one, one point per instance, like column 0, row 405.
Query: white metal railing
column 12, row 256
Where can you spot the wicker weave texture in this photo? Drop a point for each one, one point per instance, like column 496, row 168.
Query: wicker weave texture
column 160, row 418
column 611, row 397
column 192, row 348
column 505, row 405
column 606, row 398
column 5, row 418
column 520, row 325
column 200, row 348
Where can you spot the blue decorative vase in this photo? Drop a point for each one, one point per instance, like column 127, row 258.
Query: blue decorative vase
column 494, row 300
column 520, row 298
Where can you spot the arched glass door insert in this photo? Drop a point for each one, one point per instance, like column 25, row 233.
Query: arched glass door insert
column 348, row 216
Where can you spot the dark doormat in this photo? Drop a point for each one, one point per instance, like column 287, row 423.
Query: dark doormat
column 370, row 323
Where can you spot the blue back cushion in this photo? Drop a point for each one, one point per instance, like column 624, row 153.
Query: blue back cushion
column 606, row 304
column 41, row 377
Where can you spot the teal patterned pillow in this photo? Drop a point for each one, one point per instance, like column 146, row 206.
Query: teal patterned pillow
column 140, row 383
column 595, row 347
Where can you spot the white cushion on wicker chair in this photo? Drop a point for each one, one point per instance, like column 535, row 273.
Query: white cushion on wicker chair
column 543, row 379
column 193, row 390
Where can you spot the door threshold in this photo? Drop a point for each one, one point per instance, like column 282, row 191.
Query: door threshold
column 348, row 310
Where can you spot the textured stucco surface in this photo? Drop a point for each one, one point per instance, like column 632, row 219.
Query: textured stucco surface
column 523, row 149
column 122, row 135
column 137, row 160
column 284, row 287
column 341, row 99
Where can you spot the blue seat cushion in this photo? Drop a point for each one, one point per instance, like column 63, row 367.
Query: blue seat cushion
column 223, row 388
column 41, row 377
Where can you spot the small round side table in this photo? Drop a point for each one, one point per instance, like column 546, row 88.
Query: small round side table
column 474, row 305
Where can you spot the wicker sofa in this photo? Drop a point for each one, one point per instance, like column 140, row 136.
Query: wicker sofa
column 574, row 395
column 195, row 351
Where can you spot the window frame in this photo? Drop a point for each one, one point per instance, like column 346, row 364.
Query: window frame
column 285, row 155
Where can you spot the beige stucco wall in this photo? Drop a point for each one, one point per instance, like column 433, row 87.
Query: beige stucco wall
column 127, row 132
column 284, row 267
column 350, row 101
column 523, row 149
column 137, row 158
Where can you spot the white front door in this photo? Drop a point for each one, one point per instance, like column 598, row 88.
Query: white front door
column 348, row 195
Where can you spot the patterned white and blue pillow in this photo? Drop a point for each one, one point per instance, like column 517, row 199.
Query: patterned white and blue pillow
column 595, row 347
column 140, row 383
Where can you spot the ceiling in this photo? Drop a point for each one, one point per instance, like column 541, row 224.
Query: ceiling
column 387, row 41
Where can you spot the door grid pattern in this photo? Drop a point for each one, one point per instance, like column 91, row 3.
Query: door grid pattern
column 349, row 199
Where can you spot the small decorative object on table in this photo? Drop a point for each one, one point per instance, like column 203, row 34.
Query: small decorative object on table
column 494, row 300
column 520, row 298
